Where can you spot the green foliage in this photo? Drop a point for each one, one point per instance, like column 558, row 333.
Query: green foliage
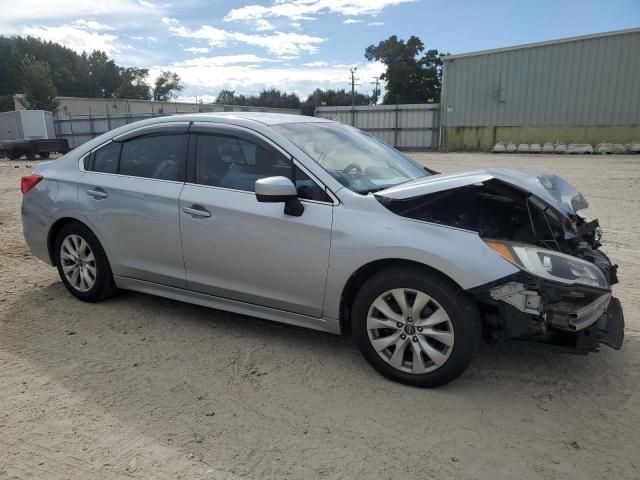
column 39, row 91
column 411, row 76
column 104, row 76
column 332, row 98
column 226, row 97
column 6, row 103
column 266, row 98
column 73, row 75
column 133, row 84
column 66, row 65
column 167, row 86
column 375, row 95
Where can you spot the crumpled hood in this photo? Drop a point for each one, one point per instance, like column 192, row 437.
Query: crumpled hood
column 552, row 189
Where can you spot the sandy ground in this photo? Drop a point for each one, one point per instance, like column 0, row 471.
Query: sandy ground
column 141, row 387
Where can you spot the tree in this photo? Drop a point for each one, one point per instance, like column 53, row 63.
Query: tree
column 87, row 75
column 167, row 86
column 275, row 99
column 272, row 98
column 332, row 98
column 39, row 91
column 6, row 103
column 133, row 84
column 104, row 75
column 226, row 97
column 410, row 78
column 375, row 95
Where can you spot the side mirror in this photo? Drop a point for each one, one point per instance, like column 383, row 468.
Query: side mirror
column 279, row 189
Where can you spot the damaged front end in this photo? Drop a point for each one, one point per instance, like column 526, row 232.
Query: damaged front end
column 561, row 296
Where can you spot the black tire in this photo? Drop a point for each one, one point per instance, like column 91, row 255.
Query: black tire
column 31, row 155
column 44, row 154
column 462, row 314
column 103, row 286
column 13, row 154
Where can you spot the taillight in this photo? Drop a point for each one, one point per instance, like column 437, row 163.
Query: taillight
column 28, row 182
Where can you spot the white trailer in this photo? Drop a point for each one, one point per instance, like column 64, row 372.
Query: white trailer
column 30, row 133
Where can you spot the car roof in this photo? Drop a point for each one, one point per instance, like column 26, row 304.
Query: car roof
column 266, row 118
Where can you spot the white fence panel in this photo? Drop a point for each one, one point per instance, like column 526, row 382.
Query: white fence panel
column 409, row 127
column 80, row 129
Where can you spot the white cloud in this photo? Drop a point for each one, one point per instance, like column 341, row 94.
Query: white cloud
column 304, row 9
column 350, row 21
column 375, row 24
column 92, row 25
column 222, row 60
column 282, row 44
column 205, row 78
column 263, row 25
column 277, row 43
column 196, row 50
column 316, row 64
column 80, row 36
column 214, row 36
column 23, row 11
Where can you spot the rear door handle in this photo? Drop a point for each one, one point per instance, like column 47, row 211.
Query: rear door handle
column 97, row 193
column 197, row 211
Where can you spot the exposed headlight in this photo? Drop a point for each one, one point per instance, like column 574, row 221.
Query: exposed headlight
column 550, row 264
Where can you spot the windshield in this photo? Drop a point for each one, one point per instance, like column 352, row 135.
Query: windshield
column 356, row 160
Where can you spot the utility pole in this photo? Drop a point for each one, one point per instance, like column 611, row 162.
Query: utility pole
column 376, row 89
column 353, row 95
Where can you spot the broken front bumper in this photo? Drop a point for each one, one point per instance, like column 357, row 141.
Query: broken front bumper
column 572, row 317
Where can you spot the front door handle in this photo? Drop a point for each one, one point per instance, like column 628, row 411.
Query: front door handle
column 97, row 193
column 197, row 211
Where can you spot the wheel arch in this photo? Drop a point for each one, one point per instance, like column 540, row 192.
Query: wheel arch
column 360, row 276
column 55, row 229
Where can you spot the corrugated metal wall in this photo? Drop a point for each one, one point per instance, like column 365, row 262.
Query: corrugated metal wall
column 411, row 127
column 577, row 82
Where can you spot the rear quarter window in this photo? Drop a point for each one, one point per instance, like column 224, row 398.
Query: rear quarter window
column 105, row 159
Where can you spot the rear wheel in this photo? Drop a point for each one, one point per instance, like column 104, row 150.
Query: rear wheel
column 13, row 154
column 44, row 154
column 82, row 264
column 31, row 155
column 415, row 327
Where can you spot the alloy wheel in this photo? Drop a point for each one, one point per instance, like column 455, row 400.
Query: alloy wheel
column 410, row 330
column 78, row 263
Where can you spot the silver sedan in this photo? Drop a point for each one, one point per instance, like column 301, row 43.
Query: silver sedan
column 314, row 223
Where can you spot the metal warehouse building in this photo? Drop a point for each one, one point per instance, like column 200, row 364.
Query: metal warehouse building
column 574, row 90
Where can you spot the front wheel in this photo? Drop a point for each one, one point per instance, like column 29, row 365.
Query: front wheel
column 82, row 264
column 415, row 327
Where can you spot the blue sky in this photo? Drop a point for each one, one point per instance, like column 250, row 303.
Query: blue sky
column 296, row 45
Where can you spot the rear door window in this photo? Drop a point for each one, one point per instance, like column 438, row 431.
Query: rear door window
column 153, row 156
